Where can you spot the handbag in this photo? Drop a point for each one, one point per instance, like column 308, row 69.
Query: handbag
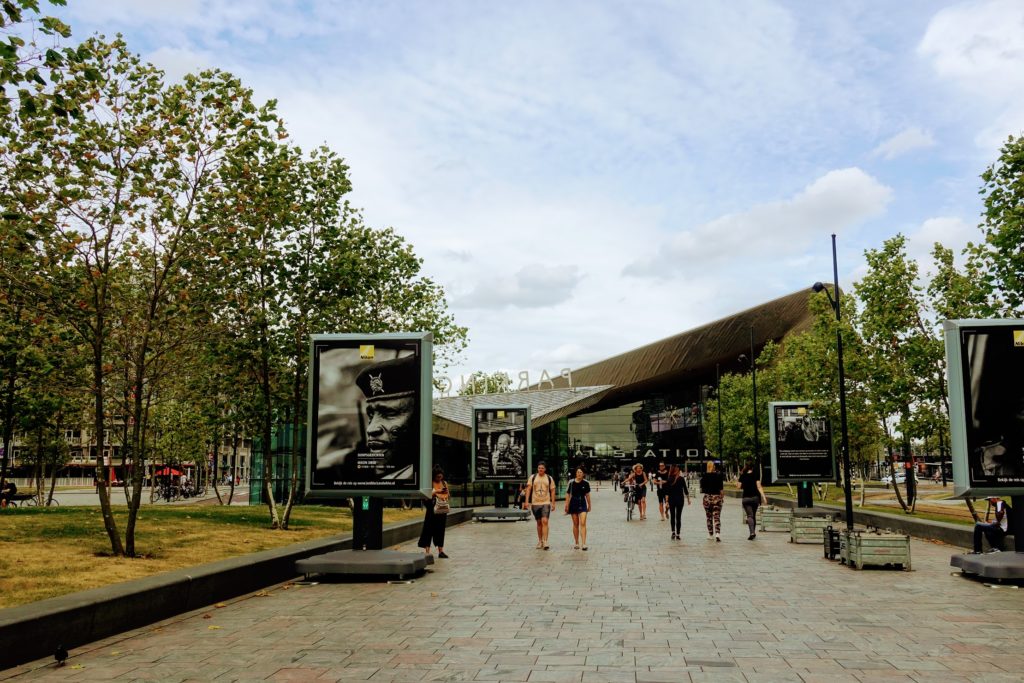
column 441, row 507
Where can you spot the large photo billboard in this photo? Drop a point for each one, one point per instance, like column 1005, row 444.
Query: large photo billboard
column 985, row 369
column 501, row 443
column 801, row 443
column 369, row 415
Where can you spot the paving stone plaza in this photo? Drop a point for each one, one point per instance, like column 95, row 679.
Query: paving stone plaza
column 636, row 607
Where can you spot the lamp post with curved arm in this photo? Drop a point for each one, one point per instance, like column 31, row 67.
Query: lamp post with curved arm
column 753, row 379
column 819, row 287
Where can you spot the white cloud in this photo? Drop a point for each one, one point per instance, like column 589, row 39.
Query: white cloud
column 979, row 47
column 176, row 62
column 905, row 141
column 533, row 286
column 834, row 202
column 951, row 231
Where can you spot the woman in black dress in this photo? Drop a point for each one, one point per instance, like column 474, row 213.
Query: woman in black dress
column 434, row 523
column 577, row 504
column 753, row 496
column 677, row 494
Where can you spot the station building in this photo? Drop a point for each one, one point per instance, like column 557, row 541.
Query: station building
column 643, row 405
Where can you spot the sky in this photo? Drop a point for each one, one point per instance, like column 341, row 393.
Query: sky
column 584, row 177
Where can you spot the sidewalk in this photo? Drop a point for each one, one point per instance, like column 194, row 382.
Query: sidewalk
column 89, row 497
column 636, row 607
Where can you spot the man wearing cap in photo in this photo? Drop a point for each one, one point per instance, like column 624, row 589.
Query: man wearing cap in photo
column 995, row 531
column 390, row 440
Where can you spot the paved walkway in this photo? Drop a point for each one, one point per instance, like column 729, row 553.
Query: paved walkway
column 636, row 607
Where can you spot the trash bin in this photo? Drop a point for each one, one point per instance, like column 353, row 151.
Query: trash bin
column 830, row 540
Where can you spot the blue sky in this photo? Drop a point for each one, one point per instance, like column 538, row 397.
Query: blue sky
column 587, row 177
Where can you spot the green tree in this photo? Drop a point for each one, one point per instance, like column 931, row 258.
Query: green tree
column 905, row 360
column 479, row 382
column 1002, row 226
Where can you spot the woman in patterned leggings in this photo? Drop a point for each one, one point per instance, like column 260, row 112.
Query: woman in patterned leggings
column 712, row 485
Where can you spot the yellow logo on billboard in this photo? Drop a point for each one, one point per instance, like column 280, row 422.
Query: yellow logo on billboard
column 501, row 414
column 801, row 410
column 1018, row 337
column 366, row 351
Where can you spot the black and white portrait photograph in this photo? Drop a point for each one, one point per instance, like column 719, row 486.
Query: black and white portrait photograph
column 994, row 401
column 366, row 414
column 501, row 443
column 801, row 443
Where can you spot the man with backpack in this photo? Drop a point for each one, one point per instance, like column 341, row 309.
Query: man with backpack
column 995, row 531
column 540, row 497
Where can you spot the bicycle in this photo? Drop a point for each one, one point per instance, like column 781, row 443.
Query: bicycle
column 629, row 497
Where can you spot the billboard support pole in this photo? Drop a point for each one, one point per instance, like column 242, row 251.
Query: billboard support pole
column 368, row 523
column 804, row 495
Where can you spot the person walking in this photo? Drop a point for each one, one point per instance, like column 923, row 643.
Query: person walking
column 638, row 478
column 677, row 493
column 436, row 517
column 577, row 504
column 753, row 496
column 615, row 481
column 660, row 478
column 540, row 497
column 712, row 485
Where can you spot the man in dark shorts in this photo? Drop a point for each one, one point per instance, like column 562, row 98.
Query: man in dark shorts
column 540, row 497
column 660, row 478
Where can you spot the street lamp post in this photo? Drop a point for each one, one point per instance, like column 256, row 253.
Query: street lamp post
column 718, row 393
column 753, row 380
column 819, row 287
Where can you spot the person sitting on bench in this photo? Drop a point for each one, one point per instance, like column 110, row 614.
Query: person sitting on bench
column 995, row 531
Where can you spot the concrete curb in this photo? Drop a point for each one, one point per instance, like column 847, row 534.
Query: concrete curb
column 33, row 631
column 959, row 535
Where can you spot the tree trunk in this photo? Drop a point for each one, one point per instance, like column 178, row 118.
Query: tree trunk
column 11, row 373
column 296, row 424
column 216, row 455
column 267, row 427
column 234, row 462
column 40, row 472
column 892, row 466
column 970, row 506
column 53, row 473
column 99, row 423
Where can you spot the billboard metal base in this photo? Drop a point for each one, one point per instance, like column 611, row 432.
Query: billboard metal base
column 501, row 514
column 390, row 563
column 1008, row 565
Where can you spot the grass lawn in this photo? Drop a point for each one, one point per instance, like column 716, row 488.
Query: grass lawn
column 45, row 552
column 955, row 514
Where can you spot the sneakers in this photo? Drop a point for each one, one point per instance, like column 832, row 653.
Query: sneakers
column 718, row 539
column 994, row 550
column 540, row 545
column 442, row 555
column 576, row 547
column 751, row 537
column 584, row 547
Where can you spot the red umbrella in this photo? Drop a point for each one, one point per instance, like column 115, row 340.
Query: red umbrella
column 168, row 472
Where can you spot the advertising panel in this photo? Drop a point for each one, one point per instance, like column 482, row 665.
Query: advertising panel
column 501, row 443
column 801, row 443
column 370, row 416
column 985, row 369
